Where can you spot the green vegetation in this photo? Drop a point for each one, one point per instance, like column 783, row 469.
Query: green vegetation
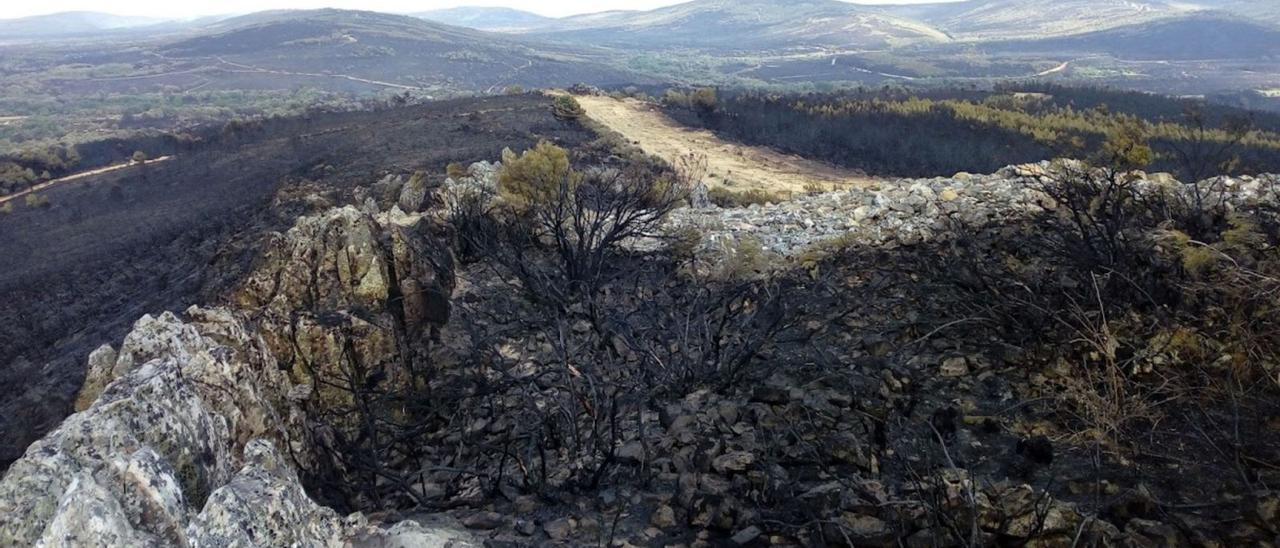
column 940, row 132
column 535, row 176
column 703, row 100
column 36, row 200
column 567, row 108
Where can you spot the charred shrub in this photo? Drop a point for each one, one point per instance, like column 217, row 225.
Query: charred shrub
column 1140, row 321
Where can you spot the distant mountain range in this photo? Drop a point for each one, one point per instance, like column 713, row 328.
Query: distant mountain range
column 1111, row 42
column 484, row 18
column 745, row 25
column 69, row 24
column 756, row 24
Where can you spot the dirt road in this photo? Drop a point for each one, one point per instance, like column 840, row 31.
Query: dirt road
column 730, row 165
column 78, row 176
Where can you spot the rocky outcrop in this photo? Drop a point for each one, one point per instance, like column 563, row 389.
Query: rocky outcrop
column 480, row 183
column 347, row 288
column 191, row 434
column 910, row 211
column 415, row 194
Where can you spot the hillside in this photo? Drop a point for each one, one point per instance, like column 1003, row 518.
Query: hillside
column 1003, row 19
column 355, row 50
column 1261, row 11
column 486, row 18
column 71, row 23
column 457, row 357
column 745, row 25
column 1196, row 36
column 102, row 251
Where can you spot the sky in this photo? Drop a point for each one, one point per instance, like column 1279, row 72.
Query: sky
column 193, row 8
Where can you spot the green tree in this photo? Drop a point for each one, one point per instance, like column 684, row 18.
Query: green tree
column 1126, row 147
column 704, row 100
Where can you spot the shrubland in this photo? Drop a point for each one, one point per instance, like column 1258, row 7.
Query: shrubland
column 932, row 132
column 1026, row 381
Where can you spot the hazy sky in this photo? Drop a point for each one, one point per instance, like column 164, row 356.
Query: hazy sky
column 191, row 8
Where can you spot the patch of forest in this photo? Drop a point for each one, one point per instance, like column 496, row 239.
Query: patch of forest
column 937, row 132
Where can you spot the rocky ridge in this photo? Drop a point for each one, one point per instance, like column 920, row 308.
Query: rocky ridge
column 908, row 211
column 193, row 431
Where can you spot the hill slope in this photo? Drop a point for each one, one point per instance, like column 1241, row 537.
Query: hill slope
column 1197, row 36
column 749, row 24
column 1005, row 19
column 486, row 18
column 71, row 23
column 368, row 48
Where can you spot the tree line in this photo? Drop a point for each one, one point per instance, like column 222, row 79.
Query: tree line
column 938, row 132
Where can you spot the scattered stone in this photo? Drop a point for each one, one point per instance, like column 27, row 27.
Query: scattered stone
column 771, row 394
column 630, row 453
column 954, row 367
column 484, row 521
column 863, row 530
column 526, row 527
column 736, row 461
column 746, row 536
column 559, row 529
column 663, row 518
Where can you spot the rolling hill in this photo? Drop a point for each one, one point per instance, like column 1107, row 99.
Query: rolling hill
column 486, row 18
column 1257, row 10
column 746, row 25
column 71, row 23
column 1206, row 35
column 978, row 20
column 364, row 49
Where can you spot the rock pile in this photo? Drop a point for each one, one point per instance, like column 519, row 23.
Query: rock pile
column 911, row 211
column 190, row 433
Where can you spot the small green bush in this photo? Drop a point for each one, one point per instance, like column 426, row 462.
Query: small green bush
column 535, row 176
column 567, row 108
column 36, row 200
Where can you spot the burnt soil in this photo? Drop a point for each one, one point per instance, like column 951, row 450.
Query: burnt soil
column 106, row 250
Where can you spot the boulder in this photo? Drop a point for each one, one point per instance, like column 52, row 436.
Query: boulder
column 189, row 435
column 100, row 372
column 415, row 193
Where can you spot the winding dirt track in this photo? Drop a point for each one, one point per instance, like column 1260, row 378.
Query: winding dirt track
column 78, row 176
column 729, row 165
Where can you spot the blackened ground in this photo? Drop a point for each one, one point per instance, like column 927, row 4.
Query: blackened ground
column 78, row 273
